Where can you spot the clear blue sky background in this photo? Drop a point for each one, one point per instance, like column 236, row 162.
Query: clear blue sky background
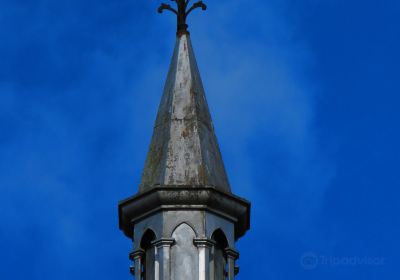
column 305, row 99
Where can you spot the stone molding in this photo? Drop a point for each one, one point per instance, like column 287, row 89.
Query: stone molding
column 136, row 254
column 231, row 253
column 143, row 205
column 163, row 242
column 203, row 242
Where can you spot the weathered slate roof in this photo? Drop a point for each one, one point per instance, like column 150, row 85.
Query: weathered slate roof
column 184, row 149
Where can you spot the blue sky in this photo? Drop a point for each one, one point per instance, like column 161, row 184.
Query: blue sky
column 304, row 97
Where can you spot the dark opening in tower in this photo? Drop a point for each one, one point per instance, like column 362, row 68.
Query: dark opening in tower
column 149, row 255
column 218, row 269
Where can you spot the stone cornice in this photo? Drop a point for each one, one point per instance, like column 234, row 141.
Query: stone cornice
column 142, row 205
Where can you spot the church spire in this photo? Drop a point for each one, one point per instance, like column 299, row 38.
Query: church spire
column 184, row 149
column 184, row 221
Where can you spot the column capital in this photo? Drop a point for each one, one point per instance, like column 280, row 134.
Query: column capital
column 139, row 253
column 231, row 253
column 163, row 242
column 163, row 257
column 203, row 242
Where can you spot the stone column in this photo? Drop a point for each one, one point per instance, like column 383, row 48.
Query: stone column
column 231, row 255
column 162, row 259
column 137, row 258
column 204, row 246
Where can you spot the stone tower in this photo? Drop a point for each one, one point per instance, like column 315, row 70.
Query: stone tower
column 184, row 220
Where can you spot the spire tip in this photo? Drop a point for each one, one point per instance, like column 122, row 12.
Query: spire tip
column 182, row 12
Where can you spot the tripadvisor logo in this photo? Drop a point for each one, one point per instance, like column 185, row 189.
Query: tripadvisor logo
column 311, row 261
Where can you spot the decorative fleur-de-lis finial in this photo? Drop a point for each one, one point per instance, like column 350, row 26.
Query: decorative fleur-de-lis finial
column 182, row 12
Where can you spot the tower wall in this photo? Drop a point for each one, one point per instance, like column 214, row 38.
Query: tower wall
column 183, row 246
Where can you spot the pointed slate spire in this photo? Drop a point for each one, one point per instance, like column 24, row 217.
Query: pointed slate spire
column 184, row 211
column 184, row 149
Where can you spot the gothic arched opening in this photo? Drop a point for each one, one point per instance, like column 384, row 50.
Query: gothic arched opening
column 149, row 255
column 218, row 259
column 184, row 255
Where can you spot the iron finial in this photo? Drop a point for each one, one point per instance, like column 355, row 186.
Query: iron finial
column 182, row 12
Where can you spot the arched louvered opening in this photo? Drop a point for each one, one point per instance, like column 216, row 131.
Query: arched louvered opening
column 218, row 261
column 149, row 256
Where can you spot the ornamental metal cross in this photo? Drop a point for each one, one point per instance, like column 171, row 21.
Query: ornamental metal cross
column 182, row 12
